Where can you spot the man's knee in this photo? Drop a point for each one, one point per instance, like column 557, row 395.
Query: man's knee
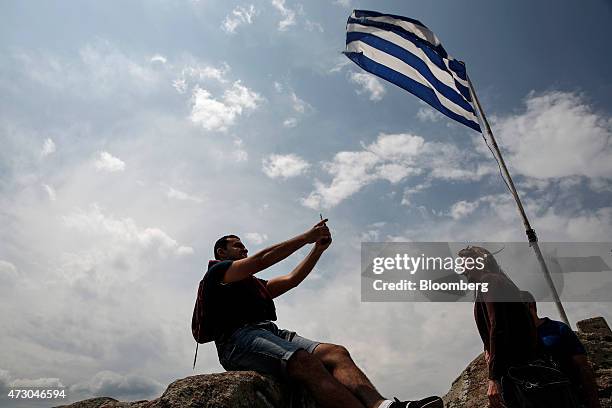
column 302, row 364
column 332, row 354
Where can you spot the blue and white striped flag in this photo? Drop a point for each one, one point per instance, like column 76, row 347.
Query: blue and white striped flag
column 405, row 52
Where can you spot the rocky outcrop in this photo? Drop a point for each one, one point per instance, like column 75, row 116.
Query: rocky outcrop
column 469, row 390
column 247, row 389
column 237, row 389
column 596, row 336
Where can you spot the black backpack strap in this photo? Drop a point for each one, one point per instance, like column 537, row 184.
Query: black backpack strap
column 196, row 355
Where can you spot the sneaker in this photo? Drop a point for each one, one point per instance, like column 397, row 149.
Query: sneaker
column 429, row 402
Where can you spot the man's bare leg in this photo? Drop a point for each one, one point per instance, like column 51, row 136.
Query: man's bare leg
column 339, row 362
column 327, row 391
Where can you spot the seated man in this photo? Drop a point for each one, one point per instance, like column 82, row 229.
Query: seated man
column 239, row 311
column 559, row 342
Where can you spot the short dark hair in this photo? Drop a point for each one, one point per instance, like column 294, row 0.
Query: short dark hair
column 222, row 243
column 528, row 298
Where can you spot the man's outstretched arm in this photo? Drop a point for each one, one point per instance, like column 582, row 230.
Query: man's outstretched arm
column 281, row 284
column 265, row 258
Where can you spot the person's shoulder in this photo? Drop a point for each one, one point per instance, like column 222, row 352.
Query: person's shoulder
column 569, row 338
column 500, row 288
column 556, row 324
column 565, row 329
column 559, row 327
column 219, row 264
column 493, row 277
column 495, row 280
column 216, row 269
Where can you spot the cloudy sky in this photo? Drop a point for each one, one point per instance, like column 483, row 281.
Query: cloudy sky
column 134, row 134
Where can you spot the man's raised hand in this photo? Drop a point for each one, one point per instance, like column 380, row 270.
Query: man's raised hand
column 323, row 243
column 319, row 231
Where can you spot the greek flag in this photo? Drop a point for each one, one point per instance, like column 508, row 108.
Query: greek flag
column 405, row 52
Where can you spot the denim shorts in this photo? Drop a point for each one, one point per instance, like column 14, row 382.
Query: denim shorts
column 261, row 347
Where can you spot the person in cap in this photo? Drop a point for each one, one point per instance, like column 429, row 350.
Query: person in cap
column 559, row 343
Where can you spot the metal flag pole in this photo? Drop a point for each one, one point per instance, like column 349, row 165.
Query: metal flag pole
column 531, row 234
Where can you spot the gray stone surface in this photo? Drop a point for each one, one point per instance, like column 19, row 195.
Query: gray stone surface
column 247, row 389
column 237, row 389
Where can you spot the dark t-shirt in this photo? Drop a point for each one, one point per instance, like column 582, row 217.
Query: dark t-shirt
column 558, row 341
column 232, row 305
column 506, row 328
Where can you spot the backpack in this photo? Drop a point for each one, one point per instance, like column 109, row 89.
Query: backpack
column 200, row 325
column 537, row 385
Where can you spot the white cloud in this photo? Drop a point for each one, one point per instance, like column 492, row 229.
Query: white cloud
column 427, row 114
column 496, row 217
column 393, row 158
column 107, row 68
column 461, row 209
column 200, row 72
column 48, row 148
column 239, row 154
column 103, row 71
column 7, row 381
column 409, row 192
column 559, row 135
column 369, row 84
column 157, row 58
column 343, row 3
column 290, row 122
column 533, row 183
column 300, row 109
column 288, row 15
column 575, row 225
column 182, row 196
column 100, row 71
column 194, row 72
column 36, row 383
column 256, row 238
column 8, row 272
column 299, row 105
column 180, row 85
column 108, row 162
column 184, row 250
column 313, row 25
column 110, row 383
column 372, row 235
column 284, row 166
column 50, row 192
column 340, row 64
column 351, row 171
column 239, row 16
column 211, row 113
column 124, row 232
column 278, row 87
column 241, row 96
column 219, row 115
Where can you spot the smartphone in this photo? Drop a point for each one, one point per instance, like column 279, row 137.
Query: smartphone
column 323, row 241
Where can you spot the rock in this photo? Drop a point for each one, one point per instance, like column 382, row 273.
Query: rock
column 236, row 389
column 469, row 390
column 596, row 336
column 247, row 389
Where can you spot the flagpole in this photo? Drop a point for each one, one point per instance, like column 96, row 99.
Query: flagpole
column 531, row 234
